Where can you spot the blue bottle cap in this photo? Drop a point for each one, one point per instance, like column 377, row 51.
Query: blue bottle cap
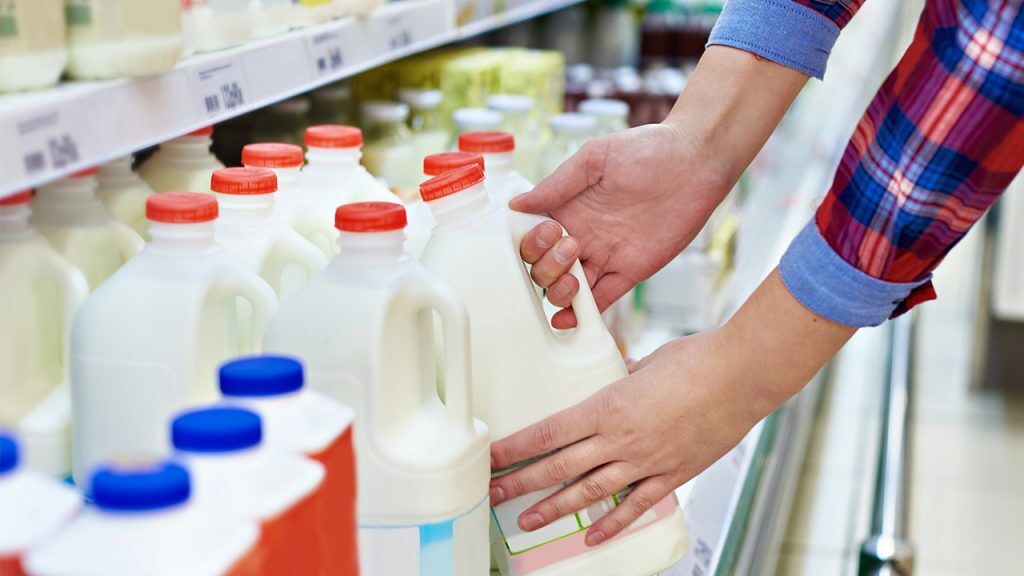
column 140, row 486
column 8, row 452
column 261, row 376
column 219, row 429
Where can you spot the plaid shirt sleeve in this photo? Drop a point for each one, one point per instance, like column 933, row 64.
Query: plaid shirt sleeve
column 937, row 146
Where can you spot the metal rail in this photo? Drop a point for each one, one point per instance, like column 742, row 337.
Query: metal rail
column 888, row 551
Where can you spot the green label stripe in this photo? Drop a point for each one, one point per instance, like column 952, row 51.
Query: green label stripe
column 8, row 25
column 78, row 14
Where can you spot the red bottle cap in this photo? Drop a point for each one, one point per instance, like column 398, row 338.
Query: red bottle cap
column 181, row 208
column 451, row 182
column 86, row 172
column 244, row 181
column 486, row 142
column 23, row 197
column 333, row 136
column 370, row 217
column 272, row 155
column 437, row 164
column 204, row 131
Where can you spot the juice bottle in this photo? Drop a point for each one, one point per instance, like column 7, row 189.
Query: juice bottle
column 425, row 120
column 234, row 475
column 519, row 117
column 611, row 115
column 32, row 49
column 306, row 422
column 124, row 193
column 504, row 182
column 389, row 151
column 569, row 131
column 183, row 164
column 365, row 328
column 525, row 372
column 112, row 38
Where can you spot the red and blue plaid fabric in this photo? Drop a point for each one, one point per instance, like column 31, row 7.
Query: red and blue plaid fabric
column 838, row 11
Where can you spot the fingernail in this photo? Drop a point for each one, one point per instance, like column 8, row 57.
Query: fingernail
column 531, row 521
column 566, row 251
column 549, row 234
column 594, row 538
column 497, row 495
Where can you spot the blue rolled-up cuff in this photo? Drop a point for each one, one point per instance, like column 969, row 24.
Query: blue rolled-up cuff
column 832, row 287
column 782, row 31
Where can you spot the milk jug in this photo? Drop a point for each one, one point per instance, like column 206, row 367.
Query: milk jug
column 34, row 507
column 220, row 24
column 149, row 341
column 125, row 193
column 309, row 12
column 32, row 52
column 261, row 240
column 611, row 115
column 142, row 521
column 293, row 204
column 390, row 152
column 425, row 120
column 113, row 38
column 473, row 120
column 420, row 220
column 233, row 475
column 42, row 293
column 80, row 227
column 365, row 328
column 519, row 119
column 569, row 131
column 305, row 422
column 183, row 164
column 524, row 372
column 270, row 17
column 504, row 182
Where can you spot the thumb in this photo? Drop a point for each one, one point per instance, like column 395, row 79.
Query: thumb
column 570, row 179
column 610, row 288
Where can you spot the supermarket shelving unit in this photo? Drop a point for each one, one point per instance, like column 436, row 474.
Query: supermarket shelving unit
column 48, row 134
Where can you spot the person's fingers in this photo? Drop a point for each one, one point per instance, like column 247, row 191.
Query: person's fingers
column 554, row 432
column 556, row 262
column 610, row 288
column 592, row 488
column 570, row 179
column 539, row 241
column 643, row 497
column 563, row 290
column 564, row 319
column 558, row 467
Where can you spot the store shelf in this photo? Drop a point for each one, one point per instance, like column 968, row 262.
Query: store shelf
column 48, row 134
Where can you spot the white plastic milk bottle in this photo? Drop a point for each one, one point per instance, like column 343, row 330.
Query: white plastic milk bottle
column 32, row 49
column 309, row 12
column 42, row 293
column 80, row 227
column 34, row 507
column 183, row 164
column 421, row 222
column 261, row 240
column 305, row 422
column 142, row 521
column 149, row 341
column 232, row 474
column 365, row 327
column 113, row 38
column 296, row 206
column 125, row 193
column 220, row 24
column 504, row 182
column 524, row 372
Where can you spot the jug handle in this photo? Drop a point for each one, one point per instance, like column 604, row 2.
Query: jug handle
column 128, row 241
column 589, row 323
column 303, row 253
column 259, row 294
column 74, row 289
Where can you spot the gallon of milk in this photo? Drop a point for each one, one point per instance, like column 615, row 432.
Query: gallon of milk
column 125, row 193
column 183, row 164
column 309, row 423
column 504, row 182
column 77, row 224
column 261, row 240
column 149, row 341
column 524, row 372
column 270, row 17
column 42, row 293
column 34, row 507
column 473, row 120
column 420, row 220
column 309, row 12
column 295, row 206
column 142, row 521
column 365, row 328
column 220, row 24
column 233, row 475
column 32, row 51
column 389, row 151
column 519, row 118
column 113, row 38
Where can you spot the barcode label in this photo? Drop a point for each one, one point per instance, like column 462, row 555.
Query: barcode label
column 220, row 88
column 401, row 38
column 327, row 52
column 401, row 25
column 47, row 142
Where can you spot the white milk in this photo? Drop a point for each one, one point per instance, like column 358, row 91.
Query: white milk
column 611, row 115
column 149, row 341
column 473, row 120
column 80, row 227
column 341, row 8
column 261, row 240
column 364, row 327
column 32, row 51
column 426, row 122
column 270, row 17
column 421, row 222
column 309, row 12
column 125, row 193
column 389, row 151
column 518, row 118
column 569, row 132
column 233, row 475
column 183, row 164
column 305, row 422
column 524, row 372
column 42, row 293
column 34, row 507
column 220, row 24
column 113, row 38
column 142, row 522
column 295, row 206
column 504, row 182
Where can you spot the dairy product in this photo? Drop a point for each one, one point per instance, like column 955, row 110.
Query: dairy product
column 183, row 164
column 261, row 240
column 233, row 475
column 519, row 118
column 42, row 293
column 80, row 227
column 389, row 151
column 305, row 422
column 32, row 51
column 611, row 115
column 425, row 120
column 220, row 24
column 504, row 182
column 473, row 120
column 143, row 522
column 524, row 372
column 420, row 220
column 270, row 17
column 149, row 341
column 124, row 193
column 113, row 38
column 341, row 8
column 569, row 131
column 309, row 12
column 365, row 329
column 34, row 507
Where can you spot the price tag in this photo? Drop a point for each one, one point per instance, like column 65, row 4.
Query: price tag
column 404, row 24
column 47, row 141
column 328, row 52
column 219, row 88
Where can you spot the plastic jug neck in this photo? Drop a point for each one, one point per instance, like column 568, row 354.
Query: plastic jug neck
column 498, row 164
column 117, row 169
column 181, row 237
column 287, row 180
column 371, row 248
column 247, row 208
column 456, row 207
column 187, row 148
column 14, row 222
column 69, row 193
column 333, row 158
